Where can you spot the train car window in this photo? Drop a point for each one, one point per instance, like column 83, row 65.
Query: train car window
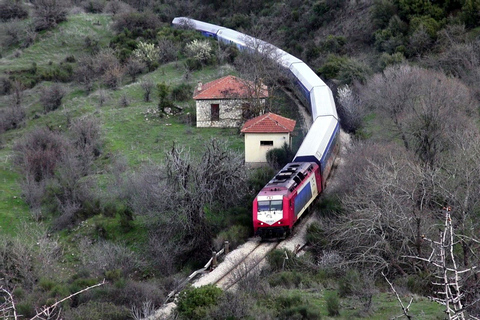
column 263, row 205
column 276, row 205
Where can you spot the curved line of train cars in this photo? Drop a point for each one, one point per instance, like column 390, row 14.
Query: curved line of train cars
column 287, row 196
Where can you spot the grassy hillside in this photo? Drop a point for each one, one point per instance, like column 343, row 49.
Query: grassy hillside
column 142, row 230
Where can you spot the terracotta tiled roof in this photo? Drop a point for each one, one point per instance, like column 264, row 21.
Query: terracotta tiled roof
column 229, row 87
column 269, row 123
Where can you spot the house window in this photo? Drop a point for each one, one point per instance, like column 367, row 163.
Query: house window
column 215, row 112
column 266, row 143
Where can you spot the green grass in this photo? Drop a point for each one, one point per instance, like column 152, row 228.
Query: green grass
column 13, row 210
column 130, row 131
column 65, row 40
column 384, row 306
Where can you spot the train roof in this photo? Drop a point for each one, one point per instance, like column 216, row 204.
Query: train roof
column 306, row 76
column 289, row 177
column 197, row 25
column 322, row 102
column 318, row 140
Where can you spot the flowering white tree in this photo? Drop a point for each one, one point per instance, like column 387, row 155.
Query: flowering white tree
column 200, row 50
column 147, row 53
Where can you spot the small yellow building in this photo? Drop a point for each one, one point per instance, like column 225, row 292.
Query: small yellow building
column 264, row 133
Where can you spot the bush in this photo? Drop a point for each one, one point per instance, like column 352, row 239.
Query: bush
column 116, row 7
column 51, row 97
column 286, row 279
column 182, row 92
column 387, row 60
column 235, row 235
column 194, row 303
column 5, row 86
column 39, row 152
column 11, row 9
column 333, row 304
column 344, row 69
column 11, row 118
column 48, row 13
column 139, row 24
column 93, row 6
column 277, row 158
column 303, row 311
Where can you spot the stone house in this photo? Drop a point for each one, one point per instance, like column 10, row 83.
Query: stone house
column 221, row 103
column 264, row 133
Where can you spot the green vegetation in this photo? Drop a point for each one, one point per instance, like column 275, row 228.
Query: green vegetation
column 100, row 158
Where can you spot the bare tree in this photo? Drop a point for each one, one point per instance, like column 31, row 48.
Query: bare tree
column 178, row 194
column 85, row 72
column 388, row 211
column 421, row 107
column 48, row 13
column 450, row 276
column 39, row 152
column 7, row 306
column 133, row 68
column 51, row 97
column 147, row 86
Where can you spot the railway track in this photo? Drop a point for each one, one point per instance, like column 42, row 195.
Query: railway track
column 238, row 264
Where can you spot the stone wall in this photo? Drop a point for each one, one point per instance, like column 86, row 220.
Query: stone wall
column 230, row 113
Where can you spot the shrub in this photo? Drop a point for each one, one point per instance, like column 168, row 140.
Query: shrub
column 48, row 13
column 281, row 260
column 382, row 12
column 235, row 235
column 349, row 284
column 182, row 92
column 199, row 50
column 93, row 6
column 5, row 86
column 133, row 68
column 51, row 97
column 112, row 77
column 147, row 53
column 194, row 303
column 277, row 158
column 39, row 152
column 333, row 304
column 344, row 69
column 116, row 7
column 10, row 9
column 140, row 24
column 98, row 310
column 302, row 311
column 11, row 117
column 334, row 44
column 286, row 279
column 471, row 13
column 390, row 59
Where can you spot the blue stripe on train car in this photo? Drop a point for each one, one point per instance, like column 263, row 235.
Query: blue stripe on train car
column 302, row 198
column 327, row 155
column 209, row 34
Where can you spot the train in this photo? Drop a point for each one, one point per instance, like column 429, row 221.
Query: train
column 291, row 192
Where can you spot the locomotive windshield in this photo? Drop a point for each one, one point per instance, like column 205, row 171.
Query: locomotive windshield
column 272, row 205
